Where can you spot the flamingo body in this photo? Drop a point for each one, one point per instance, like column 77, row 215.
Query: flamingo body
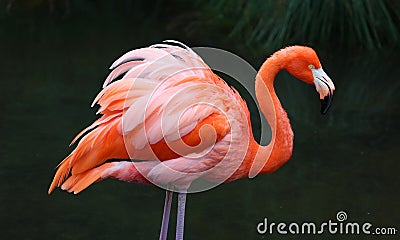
column 123, row 101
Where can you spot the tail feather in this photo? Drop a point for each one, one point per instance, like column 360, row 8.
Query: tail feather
column 125, row 171
column 99, row 145
column 77, row 183
column 62, row 172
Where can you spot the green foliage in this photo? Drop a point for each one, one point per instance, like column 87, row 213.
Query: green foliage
column 367, row 24
column 259, row 24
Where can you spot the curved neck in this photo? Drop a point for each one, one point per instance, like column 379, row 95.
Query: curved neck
column 279, row 150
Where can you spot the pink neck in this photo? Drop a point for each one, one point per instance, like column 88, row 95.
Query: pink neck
column 269, row 158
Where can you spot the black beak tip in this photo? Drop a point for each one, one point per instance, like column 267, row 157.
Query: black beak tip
column 326, row 103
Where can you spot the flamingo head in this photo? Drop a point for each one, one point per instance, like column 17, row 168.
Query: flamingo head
column 303, row 63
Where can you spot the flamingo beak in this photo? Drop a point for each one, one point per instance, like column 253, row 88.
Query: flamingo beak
column 324, row 87
column 326, row 103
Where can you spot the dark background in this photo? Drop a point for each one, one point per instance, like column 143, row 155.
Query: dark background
column 55, row 55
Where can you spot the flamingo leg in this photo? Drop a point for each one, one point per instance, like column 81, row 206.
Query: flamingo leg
column 180, row 216
column 165, row 219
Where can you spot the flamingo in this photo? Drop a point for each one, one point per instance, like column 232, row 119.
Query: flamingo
column 168, row 120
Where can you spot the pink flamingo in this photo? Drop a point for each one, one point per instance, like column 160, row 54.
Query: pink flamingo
column 151, row 115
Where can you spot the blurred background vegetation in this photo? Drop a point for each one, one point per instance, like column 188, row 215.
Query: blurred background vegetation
column 55, row 55
column 265, row 24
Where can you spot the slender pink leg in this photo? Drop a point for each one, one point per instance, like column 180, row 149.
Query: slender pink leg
column 165, row 219
column 180, row 216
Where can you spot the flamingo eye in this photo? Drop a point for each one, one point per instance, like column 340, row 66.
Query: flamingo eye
column 311, row 66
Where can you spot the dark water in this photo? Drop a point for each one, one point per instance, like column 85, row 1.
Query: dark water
column 51, row 71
